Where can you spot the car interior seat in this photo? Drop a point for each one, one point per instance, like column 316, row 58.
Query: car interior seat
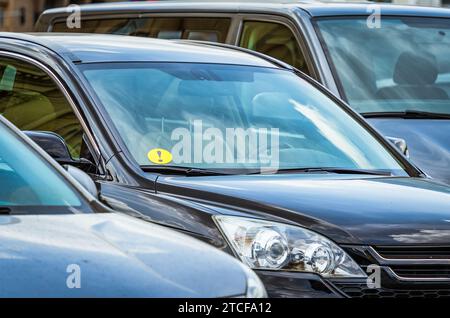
column 278, row 48
column 415, row 77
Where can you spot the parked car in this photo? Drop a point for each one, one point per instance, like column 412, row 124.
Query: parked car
column 394, row 70
column 167, row 131
column 59, row 241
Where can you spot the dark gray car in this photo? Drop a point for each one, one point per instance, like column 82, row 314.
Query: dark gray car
column 390, row 63
column 58, row 241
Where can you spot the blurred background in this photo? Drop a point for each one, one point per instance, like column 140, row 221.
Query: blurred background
column 21, row 15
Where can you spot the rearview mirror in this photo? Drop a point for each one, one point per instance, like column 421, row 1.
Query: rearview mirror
column 400, row 144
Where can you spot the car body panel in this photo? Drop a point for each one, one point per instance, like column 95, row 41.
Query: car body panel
column 118, row 256
column 187, row 217
column 372, row 210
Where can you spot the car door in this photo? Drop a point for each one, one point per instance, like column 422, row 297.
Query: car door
column 33, row 99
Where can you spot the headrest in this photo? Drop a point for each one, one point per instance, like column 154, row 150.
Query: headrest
column 415, row 69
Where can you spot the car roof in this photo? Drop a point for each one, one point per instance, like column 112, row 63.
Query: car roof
column 97, row 48
column 314, row 8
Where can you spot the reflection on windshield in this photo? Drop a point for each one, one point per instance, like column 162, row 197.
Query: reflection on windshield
column 336, row 137
column 230, row 117
column 403, row 65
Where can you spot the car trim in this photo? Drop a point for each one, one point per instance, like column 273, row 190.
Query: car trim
column 313, row 8
column 415, row 279
column 328, row 60
column 403, row 261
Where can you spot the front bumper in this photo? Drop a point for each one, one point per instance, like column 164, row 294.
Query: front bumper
column 425, row 279
column 305, row 285
column 297, row 285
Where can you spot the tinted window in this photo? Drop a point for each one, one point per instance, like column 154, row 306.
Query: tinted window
column 204, row 29
column 403, row 65
column 31, row 100
column 275, row 40
column 28, row 181
column 194, row 111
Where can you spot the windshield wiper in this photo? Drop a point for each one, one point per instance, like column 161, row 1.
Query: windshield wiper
column 331, row 170
column 191, row 172
column 187, row 171
column 407, row 114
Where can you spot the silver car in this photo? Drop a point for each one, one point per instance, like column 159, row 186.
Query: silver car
column 59, row 241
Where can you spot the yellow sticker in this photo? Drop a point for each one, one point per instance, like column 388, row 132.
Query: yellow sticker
column 159, row 156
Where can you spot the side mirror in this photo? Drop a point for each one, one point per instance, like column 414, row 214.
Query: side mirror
column 53, row 144
column 400, row 144
column 56, row 147
column 83, row 179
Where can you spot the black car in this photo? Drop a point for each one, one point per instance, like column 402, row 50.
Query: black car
column 239, row 150
column 388, row 62
column 59, row 241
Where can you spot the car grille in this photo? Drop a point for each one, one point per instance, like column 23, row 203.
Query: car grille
column 421, row 263
column 422, row 271
column 414, row 252
column 362, row 291
column 406, row 272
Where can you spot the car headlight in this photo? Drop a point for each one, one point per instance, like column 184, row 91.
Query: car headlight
column 255, row 288
column 275, row 246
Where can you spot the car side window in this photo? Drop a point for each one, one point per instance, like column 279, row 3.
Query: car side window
column 273, row 39
column 195, row 28
column 31, row 100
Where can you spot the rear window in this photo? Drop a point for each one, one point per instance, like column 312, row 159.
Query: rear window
column 202, row 29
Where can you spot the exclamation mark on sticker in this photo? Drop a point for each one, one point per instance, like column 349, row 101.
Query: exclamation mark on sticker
column 160, row 156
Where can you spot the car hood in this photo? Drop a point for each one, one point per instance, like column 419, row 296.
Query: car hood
column 428, row 142
column 110, row 255
column 347, row 209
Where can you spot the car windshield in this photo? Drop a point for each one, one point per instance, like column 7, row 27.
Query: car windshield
column 28, row 184
column 399, row 64
column 228, row 117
